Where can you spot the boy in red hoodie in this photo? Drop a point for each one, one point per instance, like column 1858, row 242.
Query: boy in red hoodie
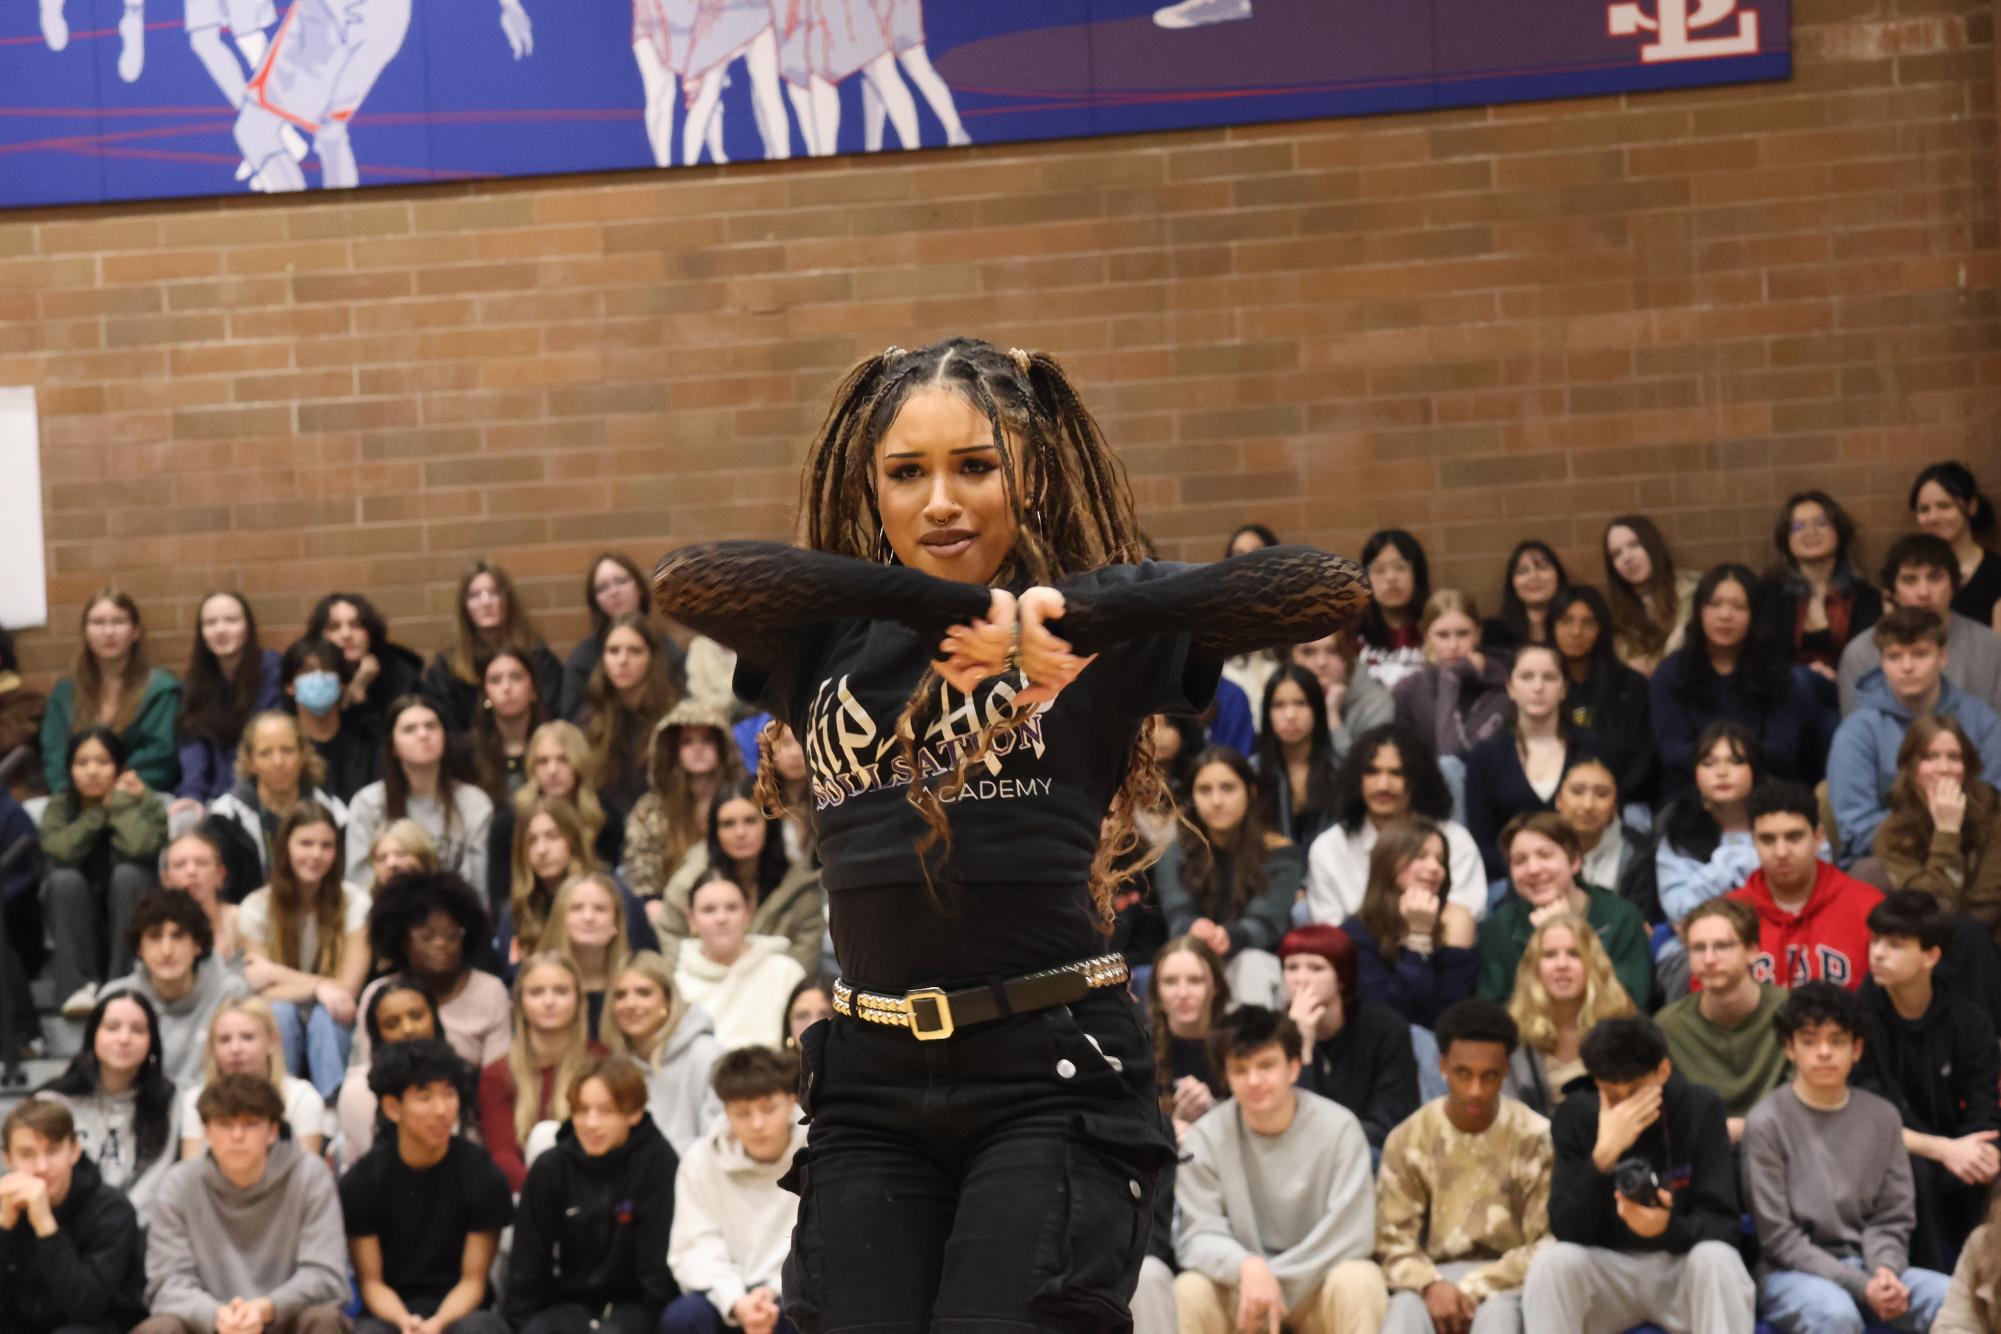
column 1813, row 921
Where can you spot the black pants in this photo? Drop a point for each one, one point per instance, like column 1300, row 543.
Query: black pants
column 630, row 1318
column 1948, row 1210
column 1000, row 1179
column 479, row 1322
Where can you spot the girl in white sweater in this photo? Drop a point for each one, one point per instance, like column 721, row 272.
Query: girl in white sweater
column 741, row 980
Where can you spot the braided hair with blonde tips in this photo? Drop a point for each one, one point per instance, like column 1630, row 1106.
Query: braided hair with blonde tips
column 1072, row 509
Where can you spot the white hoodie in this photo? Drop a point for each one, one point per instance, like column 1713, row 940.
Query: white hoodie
column 746, row 999
column 732, row 1220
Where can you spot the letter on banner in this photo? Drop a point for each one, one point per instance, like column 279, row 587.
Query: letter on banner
column 1676, row 23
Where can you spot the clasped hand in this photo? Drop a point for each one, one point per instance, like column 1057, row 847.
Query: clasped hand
column 1013, row 633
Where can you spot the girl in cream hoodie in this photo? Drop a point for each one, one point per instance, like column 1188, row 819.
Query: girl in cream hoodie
column 740, row 980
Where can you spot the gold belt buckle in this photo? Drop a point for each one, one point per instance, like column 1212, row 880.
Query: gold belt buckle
column 942, row 1012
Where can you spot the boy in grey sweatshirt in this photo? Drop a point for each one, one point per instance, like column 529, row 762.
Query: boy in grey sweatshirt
column 1277, row 1205
column 177, row 970
column 1919, row 570
column 247, row 1238
column 1829, row 1184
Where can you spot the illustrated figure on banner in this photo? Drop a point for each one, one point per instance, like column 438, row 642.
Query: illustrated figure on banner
column 717, row 33
column 248, row 23
column 904, row 22
column 131, row 35
column 322, row 66
column 805, row 48
column 822, row 43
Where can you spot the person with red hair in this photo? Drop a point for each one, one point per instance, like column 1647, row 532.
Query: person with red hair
column 1358, row 1051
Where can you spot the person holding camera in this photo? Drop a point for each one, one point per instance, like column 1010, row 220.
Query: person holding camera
column 1643, row 1202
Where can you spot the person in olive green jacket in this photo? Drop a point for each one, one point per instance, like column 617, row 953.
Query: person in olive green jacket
column 1544, row 859
column 110, row 682
column 784, row 895
column 101, row 837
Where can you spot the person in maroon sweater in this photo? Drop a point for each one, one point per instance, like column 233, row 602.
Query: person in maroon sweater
column 1813, row 921
column 529, row 1086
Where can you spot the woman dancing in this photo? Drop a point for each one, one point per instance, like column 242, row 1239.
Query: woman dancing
column 985, row 1065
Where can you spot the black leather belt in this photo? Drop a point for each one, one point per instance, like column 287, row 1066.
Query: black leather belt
column 930, row 1013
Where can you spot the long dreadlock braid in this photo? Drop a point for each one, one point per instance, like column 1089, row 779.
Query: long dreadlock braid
column 1078, row 515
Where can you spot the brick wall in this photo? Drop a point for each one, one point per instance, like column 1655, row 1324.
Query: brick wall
column 1480, row 324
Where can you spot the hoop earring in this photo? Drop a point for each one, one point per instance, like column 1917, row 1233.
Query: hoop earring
column 885, row 554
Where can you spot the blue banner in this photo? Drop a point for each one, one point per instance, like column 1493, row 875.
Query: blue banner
column 134, row 99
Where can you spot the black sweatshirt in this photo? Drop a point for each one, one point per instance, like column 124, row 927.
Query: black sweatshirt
column 1689, row 1146
column 1368, row 1067
column 1940, row 1070
column 593, row 1231
column 91, row 1272
column 835, row 647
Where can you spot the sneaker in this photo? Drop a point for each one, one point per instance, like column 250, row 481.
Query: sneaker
column 81, row 1002
column 1197, row 13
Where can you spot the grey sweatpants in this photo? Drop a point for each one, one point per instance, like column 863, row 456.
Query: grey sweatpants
column 87, row 924
column 1153, row 1304
column 1501, row 1313
column 1588, row 1289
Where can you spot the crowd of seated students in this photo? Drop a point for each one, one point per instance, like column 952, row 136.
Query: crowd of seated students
column 507, row 926
column 1693, row 885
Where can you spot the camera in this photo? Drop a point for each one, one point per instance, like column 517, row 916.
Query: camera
column 1635, row 1179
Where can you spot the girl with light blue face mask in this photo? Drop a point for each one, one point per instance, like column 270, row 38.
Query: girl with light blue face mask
column 315, row 676
column 317, row 691
column 312, row 673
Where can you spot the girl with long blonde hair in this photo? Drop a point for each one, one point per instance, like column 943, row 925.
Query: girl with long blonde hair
column 243, row 1040
column 550, row 847
column 558, row 765
column 587, row 927
column 530, row 1085
column 403, row 846
column 673, row 1042
column 1564, row 985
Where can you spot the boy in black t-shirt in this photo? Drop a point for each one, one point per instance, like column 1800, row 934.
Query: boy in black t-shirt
column 424, row 1208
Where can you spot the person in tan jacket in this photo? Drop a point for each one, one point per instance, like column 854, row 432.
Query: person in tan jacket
column 1462, row 1201
column 1943, row 833
column 1973, row 1302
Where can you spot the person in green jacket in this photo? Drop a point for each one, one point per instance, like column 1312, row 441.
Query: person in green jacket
column 111, row 683
column 101, row 836
column 1544, row 861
